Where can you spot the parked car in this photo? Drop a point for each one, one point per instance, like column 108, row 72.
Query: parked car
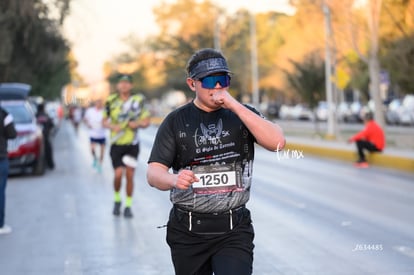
column 301, row 112
column 285, row 112
column 406, row 112
column 349, row 112
column 272, row 110
column 392, row 114
column 27, row 149
column 297, row 112
column 322, row 111
column 343, row 111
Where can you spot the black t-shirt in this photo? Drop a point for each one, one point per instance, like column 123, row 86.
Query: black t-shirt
column 46, row 122
column 217, row 146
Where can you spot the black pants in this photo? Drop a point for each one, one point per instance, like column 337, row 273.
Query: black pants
column 230, row 253
column 49, row 154
column 365, row 145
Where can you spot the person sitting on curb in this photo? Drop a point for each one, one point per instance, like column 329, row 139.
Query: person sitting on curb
column 371, row 138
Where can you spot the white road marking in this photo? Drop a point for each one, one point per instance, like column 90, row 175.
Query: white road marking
column 405, row 250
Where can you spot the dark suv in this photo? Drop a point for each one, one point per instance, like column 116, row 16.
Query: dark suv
column 27, row 149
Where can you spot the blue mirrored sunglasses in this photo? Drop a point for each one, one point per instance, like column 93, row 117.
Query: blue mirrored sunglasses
column 210, row 82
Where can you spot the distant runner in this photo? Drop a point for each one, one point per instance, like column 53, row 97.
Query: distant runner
column 97, row 133
column 124, row 114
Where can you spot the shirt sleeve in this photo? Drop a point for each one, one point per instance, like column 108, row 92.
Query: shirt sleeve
column 164, row 147
column 362, row 134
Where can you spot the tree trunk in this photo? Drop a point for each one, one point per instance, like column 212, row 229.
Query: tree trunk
column 374, row 11
column 374, row 72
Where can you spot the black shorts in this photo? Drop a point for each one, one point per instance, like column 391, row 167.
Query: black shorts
column 101, row 141
column 230, row 253
column 118, row 151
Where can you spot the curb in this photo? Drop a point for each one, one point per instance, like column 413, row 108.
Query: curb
column 388, row 160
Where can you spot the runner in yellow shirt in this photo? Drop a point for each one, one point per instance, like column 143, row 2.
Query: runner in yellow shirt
column 124, row 114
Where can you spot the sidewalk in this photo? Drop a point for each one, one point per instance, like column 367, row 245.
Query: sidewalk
column 392, row 157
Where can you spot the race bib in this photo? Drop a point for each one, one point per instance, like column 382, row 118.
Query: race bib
column 216, row 179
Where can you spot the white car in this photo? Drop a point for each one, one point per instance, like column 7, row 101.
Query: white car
column 349, row 112
column 301, row 112
column 392, row 115
column 406, row 111
column 322, row 111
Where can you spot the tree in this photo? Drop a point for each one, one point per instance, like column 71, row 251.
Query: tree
column 308, row 78
column 399, row 62
column 33, row 49
column 301, row 34
column 397, row 40
column 270, row 39
column 373, row 19
column 236, row 47
column 281, row 40
column 179, row 39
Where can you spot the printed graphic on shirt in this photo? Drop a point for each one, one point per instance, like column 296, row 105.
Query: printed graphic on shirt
column 217, row 147
column 121, row 112
column 209, row 138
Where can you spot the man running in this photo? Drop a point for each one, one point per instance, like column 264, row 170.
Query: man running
column 97, row 133
column 124, row 114
column 209, row 145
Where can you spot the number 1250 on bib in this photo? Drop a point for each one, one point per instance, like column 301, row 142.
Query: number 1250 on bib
column 219, row 179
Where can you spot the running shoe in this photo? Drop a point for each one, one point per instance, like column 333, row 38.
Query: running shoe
column 95, row 163
column 128, row 212
column 99, row 168
column 5, row 229
column 361, row 164
column 117, row 209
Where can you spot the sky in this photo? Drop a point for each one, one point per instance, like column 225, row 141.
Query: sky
column 95, row 28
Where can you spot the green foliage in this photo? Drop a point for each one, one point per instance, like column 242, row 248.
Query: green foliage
column 236, row 47
column 359, row 77
column 397, row 43
column 34, row 50
column 283, row 42
column 308, row 78
column 399, row 62
column 269, row 39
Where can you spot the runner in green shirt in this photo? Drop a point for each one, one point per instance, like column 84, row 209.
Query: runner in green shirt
column 124, row 114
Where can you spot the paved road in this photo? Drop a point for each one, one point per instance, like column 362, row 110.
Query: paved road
column 311, row 216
